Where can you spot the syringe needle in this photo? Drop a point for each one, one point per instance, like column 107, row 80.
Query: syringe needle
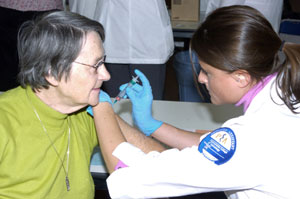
column 122, row 93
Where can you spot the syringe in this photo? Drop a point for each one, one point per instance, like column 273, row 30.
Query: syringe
column 123, row 92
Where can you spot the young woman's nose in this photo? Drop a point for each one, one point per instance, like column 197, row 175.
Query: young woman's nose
column 202, row 78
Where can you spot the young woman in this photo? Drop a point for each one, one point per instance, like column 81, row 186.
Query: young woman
column 251, row 156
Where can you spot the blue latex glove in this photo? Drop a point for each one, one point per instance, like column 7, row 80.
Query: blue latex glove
column 103, row 97
column 141, row 98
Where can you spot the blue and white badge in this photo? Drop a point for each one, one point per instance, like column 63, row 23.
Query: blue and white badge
column 218, row 146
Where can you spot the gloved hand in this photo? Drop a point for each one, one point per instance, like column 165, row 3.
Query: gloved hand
column 141, row 98
column 103, row 97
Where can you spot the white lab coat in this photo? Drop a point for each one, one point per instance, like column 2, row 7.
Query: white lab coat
column 271, row 9
column 264, row 165
column 136, row 31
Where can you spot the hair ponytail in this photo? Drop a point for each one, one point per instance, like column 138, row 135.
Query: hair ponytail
column 288, row 78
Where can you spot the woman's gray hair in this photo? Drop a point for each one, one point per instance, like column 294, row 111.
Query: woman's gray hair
column 49, row 44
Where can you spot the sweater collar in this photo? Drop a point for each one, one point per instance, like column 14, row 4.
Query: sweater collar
column 48, row 115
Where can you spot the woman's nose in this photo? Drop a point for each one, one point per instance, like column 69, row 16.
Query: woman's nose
column 103, row 74
column 202, row 78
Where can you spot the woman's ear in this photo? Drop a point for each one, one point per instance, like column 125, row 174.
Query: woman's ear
column 51, row 79
column 242, row 78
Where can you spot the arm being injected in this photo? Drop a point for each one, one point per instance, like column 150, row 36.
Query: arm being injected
column 123, row 92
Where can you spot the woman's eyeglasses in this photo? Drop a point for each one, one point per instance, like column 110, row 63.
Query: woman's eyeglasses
column 96, row 66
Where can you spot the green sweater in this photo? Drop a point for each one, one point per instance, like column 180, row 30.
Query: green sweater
column 29, row 166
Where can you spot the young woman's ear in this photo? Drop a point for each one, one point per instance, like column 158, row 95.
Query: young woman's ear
column 242, row 78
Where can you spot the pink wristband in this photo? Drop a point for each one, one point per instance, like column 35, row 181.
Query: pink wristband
column 120, row 165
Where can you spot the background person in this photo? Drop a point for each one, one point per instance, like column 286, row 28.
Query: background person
column 138, row 36
column 239, row 54
column 271, row 9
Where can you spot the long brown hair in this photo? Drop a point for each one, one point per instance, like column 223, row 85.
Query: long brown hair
column 239, row 37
